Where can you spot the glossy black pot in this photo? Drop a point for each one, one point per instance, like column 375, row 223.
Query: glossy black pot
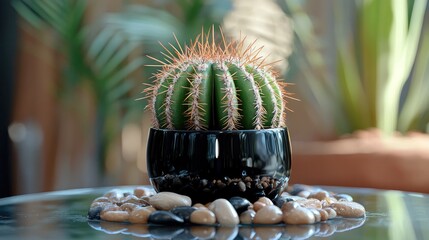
column 206, row 165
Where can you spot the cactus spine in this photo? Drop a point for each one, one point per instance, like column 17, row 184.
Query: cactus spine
column 206, row 86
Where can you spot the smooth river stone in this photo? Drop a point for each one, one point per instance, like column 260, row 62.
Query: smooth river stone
column 298, row 215
column 140, row 215
column 268, row 215
column 348, row 209
column 240, row 204
column 184, row 212
column 164, row 218
column 203, row 216
column 247, row 216
column 169, row 200
column 224, row 212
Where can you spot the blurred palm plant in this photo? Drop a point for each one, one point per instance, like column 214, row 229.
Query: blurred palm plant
column 106, row 54
column 381, row 79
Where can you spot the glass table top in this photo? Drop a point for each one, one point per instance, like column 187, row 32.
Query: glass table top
column 63, row 215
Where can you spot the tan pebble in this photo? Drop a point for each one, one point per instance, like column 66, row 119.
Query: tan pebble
column 169, row 200
column 199, row 205
column 258, row 205
column 304, row 194
column 323, row 214
column 224, row 212
column 101, row 199
column 133, row 199
column 289, row 205
column 310, row 203
column 115, row 216
column 348, row 209
column 114, row 195
column 141, row 192
column 140, row 215
column 268, row 215
column 129, row 207
column 317, row 216
column 203, row 232
column 331, row 212
column 247, row 216
column 265, row 200
column 320, row 195
column 298, row 216
column 203, row 216
column 109, row 208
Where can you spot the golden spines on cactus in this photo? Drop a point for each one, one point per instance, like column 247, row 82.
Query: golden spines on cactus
column 220, row 87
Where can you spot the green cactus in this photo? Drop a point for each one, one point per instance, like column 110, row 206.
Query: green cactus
column 206, row 86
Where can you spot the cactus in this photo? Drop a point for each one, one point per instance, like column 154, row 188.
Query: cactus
column 209, row 86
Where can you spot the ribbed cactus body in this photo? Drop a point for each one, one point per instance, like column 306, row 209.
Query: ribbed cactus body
column 209, row 87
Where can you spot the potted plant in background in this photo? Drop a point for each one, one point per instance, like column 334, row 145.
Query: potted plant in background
column 218, row 123
column 372, row 90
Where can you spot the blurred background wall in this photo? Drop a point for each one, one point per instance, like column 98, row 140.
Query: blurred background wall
column 72, row 70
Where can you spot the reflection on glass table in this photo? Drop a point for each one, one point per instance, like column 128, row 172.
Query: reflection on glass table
column 63, row 215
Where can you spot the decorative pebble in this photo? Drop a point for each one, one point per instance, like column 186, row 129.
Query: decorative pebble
column 247, row 216
column 280, row 200
column 199, row 205
column 240, row 204
column 298, row 215
column 184, row 212
column 94, row 212
column 142, row 192
column 169, row 200
column 133, row 199
column 289, row 206
column 331, row 212
column 348, row 209
column 320, row 195
column 258, row 205
column 224, row 212
column 164, row 218
column 114, row 195
column 344, row 197
column 202, row 216
column 269, row 214
column 323, row 214
column 265, row 200
column 304, row 194
column 129, row 207
column 140, row 215
column 316, row 213
column 310, row 203
column 115, row 216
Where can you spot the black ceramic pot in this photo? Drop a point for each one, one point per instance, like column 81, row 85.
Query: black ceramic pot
column 206, row 165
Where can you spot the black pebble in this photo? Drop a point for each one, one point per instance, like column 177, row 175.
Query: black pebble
column 94, row 213
column 183, row 212
column 280, row 200
column 164, row 218
column 240, row 204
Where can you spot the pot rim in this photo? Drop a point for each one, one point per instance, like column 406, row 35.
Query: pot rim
column 218, row 131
